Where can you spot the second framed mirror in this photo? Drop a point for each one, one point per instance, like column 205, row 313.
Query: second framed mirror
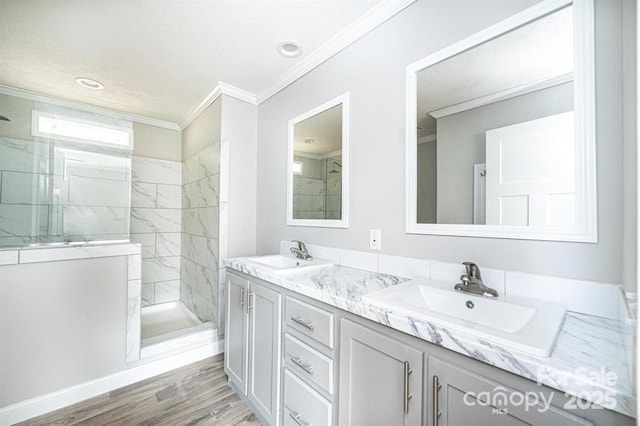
column 318, row 166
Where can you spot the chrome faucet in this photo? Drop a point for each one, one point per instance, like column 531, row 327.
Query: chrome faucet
column 471, row 282
column 300, row 252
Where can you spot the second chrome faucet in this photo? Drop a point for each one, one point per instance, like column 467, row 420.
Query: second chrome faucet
column 471, row 282
column 300, row 252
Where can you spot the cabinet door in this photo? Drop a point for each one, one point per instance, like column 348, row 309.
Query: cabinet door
column 236, row 332
column 380, row 379
column 264, row 350
column 462, row 397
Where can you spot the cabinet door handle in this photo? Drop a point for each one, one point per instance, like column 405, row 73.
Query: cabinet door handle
column 296, row 418
column 302, row 322
column 407, row 395
column 242, row 302
column 308, row 368
column 250, row 306
column 436, row 400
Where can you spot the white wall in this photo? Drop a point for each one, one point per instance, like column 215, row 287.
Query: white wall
column 373, row 70
column 239, row 130
column 61, row 324
column 156, row 142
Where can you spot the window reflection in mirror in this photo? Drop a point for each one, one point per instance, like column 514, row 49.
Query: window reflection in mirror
column 317, row 180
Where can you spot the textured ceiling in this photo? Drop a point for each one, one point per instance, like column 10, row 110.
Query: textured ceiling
column 325, row 129
column 539, row 50
column 160, row 58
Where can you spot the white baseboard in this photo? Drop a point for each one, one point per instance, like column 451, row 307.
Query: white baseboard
column 53, row 401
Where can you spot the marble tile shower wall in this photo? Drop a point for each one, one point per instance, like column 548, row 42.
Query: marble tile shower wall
column 156, row 203
column 49, row 193
column 308, row 198
column 200, row 233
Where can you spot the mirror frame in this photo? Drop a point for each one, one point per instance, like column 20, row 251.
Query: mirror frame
column 586, row 229
column 324, row 223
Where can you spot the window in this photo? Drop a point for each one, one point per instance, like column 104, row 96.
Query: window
column 297, row 167
column 77, row 130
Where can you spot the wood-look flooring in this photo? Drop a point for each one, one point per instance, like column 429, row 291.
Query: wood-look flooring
column 197, row 394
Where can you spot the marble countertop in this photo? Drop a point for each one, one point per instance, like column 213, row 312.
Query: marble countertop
column 588, row 360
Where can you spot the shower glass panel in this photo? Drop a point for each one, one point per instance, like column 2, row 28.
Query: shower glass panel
column 64, row 174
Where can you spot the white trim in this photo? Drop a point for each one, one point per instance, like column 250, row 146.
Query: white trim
column 55, row 400
column 319, row 156
column 502, row 95
column 427, row 139
column 220, row 89
column 584, row 106
column 195, row 336
column 374, row 17
column 324, row 223
column 33, row 96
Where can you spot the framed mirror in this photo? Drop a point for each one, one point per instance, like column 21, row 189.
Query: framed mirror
column 318, row 166
column 501, row 130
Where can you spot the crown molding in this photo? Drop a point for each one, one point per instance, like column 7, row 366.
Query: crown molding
column 33, row 96
column 376, row 16
column 502, row 95
column 221, row 88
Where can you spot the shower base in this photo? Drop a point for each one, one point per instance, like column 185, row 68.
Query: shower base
column 171, row 326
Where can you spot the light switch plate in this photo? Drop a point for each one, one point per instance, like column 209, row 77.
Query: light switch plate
column 375, row 239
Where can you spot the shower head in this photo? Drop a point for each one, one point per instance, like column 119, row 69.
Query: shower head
column 333, row 167
column 3, row 118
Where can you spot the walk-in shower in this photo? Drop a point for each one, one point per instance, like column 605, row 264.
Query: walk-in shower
column 69, row 176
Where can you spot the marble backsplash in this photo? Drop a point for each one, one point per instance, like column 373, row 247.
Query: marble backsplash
column 156, row 217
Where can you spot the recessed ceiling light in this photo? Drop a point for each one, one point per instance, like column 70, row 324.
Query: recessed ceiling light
column 289, row 49
column 89, row 83
column 309, row 140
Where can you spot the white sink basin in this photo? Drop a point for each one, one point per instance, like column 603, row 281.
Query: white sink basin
column 522, row 324
column 281, row 264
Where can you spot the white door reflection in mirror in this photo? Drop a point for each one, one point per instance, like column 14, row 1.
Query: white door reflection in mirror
column 530, row 173
column 317, row 178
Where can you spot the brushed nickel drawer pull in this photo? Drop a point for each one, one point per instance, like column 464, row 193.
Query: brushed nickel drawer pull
column 296, row 418
column 407, row 395
column 308, row 368
column 302, row 322
column 436, row 400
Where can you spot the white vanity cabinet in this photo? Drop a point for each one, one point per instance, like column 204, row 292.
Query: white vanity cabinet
column 380, row 379
column 309, row 359
column 252, row 343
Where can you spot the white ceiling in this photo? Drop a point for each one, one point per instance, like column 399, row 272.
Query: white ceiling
column 161, row 58
column 325, row 129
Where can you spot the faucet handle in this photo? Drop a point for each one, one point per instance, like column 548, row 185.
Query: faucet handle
column 473, row 270
column 301, row 245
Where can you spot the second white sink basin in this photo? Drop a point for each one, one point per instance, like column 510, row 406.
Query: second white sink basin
column 286, row 264
column 521, row 324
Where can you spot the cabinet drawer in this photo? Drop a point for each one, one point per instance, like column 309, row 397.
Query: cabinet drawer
column 303, row 405
column 315, row 322
column 308, row 363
